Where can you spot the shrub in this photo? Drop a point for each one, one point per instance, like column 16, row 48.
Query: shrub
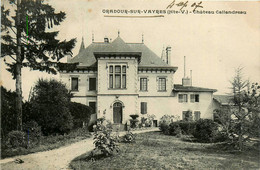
column 164, row 127
column 104, row 141
column 33, row 131
column 81, row 113
column 50, row 100
column 174, row 129
column 8, row 112
column 206, row 130
column 16, row 139
column 165, row 122
column 187, row 127
column 129, row 137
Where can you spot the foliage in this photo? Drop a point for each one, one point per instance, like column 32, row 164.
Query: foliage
column 206, row 130
column 244, row 111
column 165, row 122
column 187, row 127
column 188, row 116
column 40, row 48
column 16, row 139
column 46, row 143
column 167, row 119
column 148, row 121
column 8, row 112
column 81, row 113
column 175, row 129
column 129, row 137
column 104, row 141
column 178, row 128
column 50, row 101
column 33, row 131
column 26, row 41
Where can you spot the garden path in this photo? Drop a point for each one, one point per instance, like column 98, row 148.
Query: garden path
column 56, row 159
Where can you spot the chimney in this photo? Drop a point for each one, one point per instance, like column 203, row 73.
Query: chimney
column 168, row 55
column 106, row 40
column 186, row 81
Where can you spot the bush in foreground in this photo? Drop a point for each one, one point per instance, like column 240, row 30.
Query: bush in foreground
column 206, row 130
column 104, row 141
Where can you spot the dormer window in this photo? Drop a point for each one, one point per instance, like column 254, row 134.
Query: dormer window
column 117, row 76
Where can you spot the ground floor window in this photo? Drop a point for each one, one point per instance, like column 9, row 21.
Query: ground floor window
column 196, row 115
column 93, row 106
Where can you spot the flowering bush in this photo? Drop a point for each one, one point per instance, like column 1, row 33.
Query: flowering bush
column 129, row 137
column 103, row 140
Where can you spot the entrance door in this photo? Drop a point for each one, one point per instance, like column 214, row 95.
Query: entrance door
column 117, row 112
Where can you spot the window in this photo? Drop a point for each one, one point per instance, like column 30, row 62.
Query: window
column 194, row 98
column 143, row 107
column 183, row 98
column 162, row 84
column 93, row 106
column 117, row 76
column 196, row 115
column 143, row 84
column 92, row 84
column 74, row 84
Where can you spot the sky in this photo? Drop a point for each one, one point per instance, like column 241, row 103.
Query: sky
column 214, row 44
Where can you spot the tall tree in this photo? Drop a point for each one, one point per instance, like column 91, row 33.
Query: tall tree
column 245, row 107
column 28, row 40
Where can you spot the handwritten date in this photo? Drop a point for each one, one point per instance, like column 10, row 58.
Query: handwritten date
column 184, row 4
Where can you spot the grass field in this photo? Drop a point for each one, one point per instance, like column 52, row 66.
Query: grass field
column 154, row 150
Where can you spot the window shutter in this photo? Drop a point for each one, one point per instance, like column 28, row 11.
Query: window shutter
column 142, row 108
column 145, row 108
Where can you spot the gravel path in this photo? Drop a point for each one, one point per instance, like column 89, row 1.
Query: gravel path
column 54, row 159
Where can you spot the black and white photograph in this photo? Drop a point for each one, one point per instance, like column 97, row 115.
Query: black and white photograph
column 106, row 84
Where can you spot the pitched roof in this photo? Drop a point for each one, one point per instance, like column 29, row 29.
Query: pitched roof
column 148, row 58
column 181, row 88
column 223, row 99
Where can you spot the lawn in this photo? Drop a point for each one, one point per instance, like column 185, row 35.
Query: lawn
column 154, row 150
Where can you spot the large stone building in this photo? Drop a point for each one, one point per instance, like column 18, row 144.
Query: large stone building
column 118, row 79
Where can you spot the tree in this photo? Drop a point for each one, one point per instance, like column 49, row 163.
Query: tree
column 50, row 107
column 245, row 107
column 26, row 40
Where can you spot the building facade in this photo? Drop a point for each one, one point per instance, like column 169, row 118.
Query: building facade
column 119, row 79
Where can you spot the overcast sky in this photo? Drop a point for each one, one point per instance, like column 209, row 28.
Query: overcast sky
column 214, row 44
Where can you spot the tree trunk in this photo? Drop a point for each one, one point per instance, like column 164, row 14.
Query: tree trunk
column 18, row 70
